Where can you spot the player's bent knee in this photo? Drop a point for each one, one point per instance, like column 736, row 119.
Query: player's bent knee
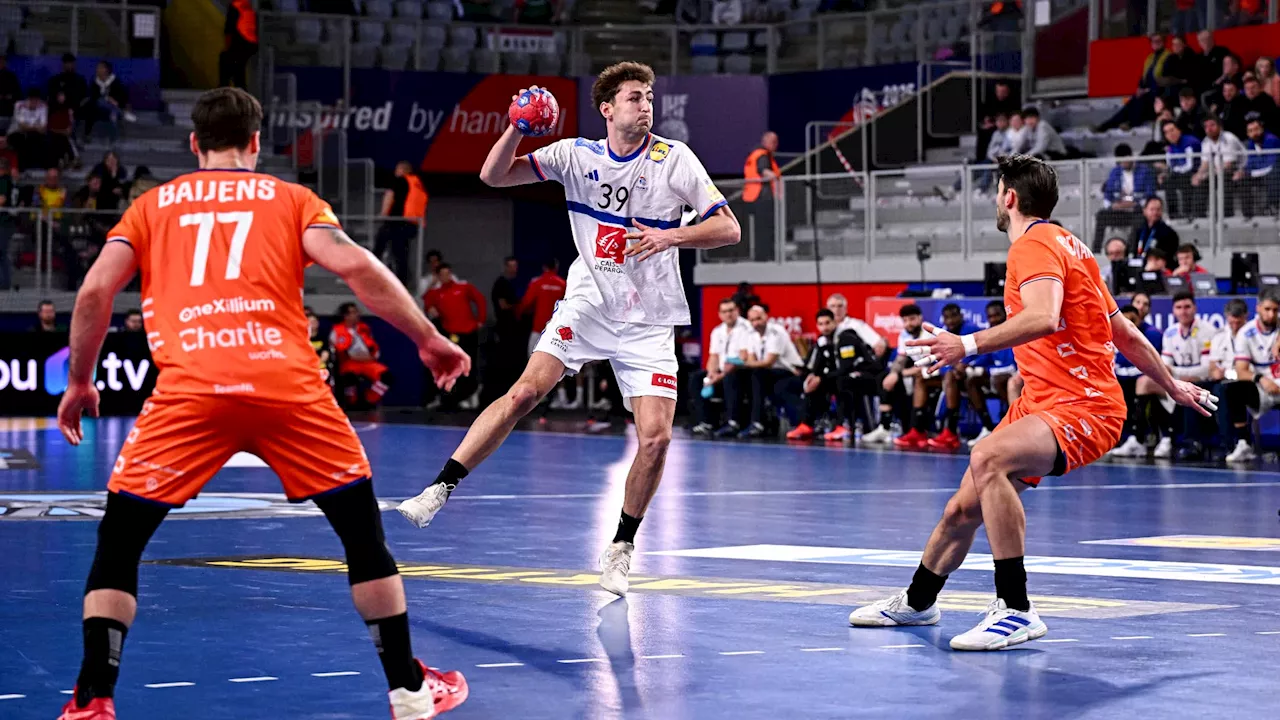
column 354, row 514
column 656, row 442
column 985, row 463
column 958, row 515
column 524, row 397
column 126, row 528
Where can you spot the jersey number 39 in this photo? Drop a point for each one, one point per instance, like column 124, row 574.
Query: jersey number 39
column 204, row 222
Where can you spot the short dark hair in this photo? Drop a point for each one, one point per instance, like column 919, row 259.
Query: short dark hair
column 909, row 310
column 1235, row 307
column 950, row 307
column 1123, row 150
column 1035, row 182
column 1156, row 198
column 43, row 303
column 308, row 310
column 726, row 301
column 226, row 119
column 1167, row 123
column 607, row 83
column 1189, row 92
column 1211, row 117
column 1184, row 295
column 1269, row 294
column 434, row 254
column 68, row 57
column 1158, row 254
column 1188, row 247
column 132, row 311
column 345, row 308
column 443, row 266
column 825, row 313
column 1231, row 81
column 995, row 303
column 1030, row 111
column 104, row 63
column 550, row 264
column 1126, row 309
column 510, row 258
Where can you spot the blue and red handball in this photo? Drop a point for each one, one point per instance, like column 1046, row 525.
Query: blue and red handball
column 534, row 112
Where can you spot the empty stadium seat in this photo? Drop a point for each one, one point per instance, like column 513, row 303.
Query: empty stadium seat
column 289, row 6
column 456, row 59
column 761, row 40
column 306, row 31
column 28, row 42
column 548, row 64
column 371, row 32
column 429, row 59
column 703, row 43
column 378, row 8
column 517, row 63
column 409, row 9
column 735, row 42
column 337, row 30
column 394, row 57
column 463, row 37
column 486, row 61
column 10, row 16
column 705, row 64
column 403, row 34
column 434, row 36
column 364, row 55
column 329, row 55
column 440, row 11
column 738, row 64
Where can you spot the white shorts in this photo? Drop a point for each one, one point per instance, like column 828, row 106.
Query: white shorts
column 643, row 356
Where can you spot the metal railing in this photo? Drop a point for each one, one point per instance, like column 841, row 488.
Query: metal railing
column 107, row 29
column 1119, row 18
column 888, row 213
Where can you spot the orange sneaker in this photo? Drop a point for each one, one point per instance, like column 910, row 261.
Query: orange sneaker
column 945, row 440
column 440, row 693
column 800, row 432
column 840, row 434
column 97, row 709
column 914, row 440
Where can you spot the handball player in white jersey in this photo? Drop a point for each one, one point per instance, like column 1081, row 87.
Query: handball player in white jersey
column 625, row 195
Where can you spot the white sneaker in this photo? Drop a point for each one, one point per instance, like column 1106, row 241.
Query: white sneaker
column 1001, row 628
column 985, row 432
column 440, row 693
column 421, row 510
column 1164, row 449
column 894, row 611
column 879, row 436
column 1243, row 453
column 1131, row 448
column 615, row 564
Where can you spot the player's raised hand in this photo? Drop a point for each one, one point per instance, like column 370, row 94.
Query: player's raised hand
column 531, row 88
column 78, row 399
column 446, row 361
column 935, row 352
column 648, row 241
column 1194, row 397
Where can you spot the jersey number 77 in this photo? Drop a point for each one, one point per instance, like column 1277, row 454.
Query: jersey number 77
column 204, row 222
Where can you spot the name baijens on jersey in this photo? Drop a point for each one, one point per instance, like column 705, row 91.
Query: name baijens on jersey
column 604, row 192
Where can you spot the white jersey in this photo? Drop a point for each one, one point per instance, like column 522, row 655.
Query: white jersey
column 864, row 331
column 1223, row 351
column 604, row 193
column 726, row 341
column 775, row 340
column 1186, row 353
column 1253, row 345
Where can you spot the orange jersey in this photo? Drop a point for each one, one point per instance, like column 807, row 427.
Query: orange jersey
column 221, row 258
column 1074, row 365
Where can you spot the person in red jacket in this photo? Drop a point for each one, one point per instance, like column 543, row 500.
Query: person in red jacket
column 540, row 299
column 357, row 353
column 458, row 307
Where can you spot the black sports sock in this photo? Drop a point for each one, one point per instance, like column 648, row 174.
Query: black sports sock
column 923, row 591
column 953, row 420
column 1244, row 432
column 103, row 645
column 886, row 417
column 985, row 416
column 451, row 475
column 627, row 527
column 1011, row 583
column 920, row 420
column 391, row 637
column 1146, row 411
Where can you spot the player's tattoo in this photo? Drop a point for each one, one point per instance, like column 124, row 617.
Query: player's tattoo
column 340, row 237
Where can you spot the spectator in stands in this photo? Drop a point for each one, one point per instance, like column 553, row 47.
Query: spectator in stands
column 1136, row 422
column 1259, row 180
column 460, row 309
column 1157, row 261
column 953, row 381
column 769, row 357
column 1222, row 153
column 1018, row 137
column 70, row 84
column 240, row 43
column 27, row 133
column 1182, row 161
column 808, row 395
column 1127, row 186
column 87, row 196
column 1003, row 102
column 430, row 281
column 143, row 181
column 403, row 205
column 535, row 12
column 1046, row 143
column 1181, row 67
column 1190, row 116
column 745, row 297
column 988, row 375
column 114, row 177
column 1186, row 20
column 133, row 321
column 1153, row 231
column 1233, row 109
column 994, row 148
column 839, row 307
column 107, row 103
column 1264, row 68
column 1188, row 261
column 10, row 92
column 320, row 343
column 1213, row 98
column 898, row 381
column 357, row 354
column 1163, row 115
column 1256, row 391
column 1255, row 100
column 1116, row 250
column 1213, row 55
column 47, row 318
column 1140, row 109
column 63, row 152
column 727, row 339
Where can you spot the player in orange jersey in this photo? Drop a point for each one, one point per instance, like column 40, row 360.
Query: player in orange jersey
column 1064, row 328
column 221, row 252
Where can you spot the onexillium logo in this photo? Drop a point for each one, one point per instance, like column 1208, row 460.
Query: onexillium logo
column 56, row 371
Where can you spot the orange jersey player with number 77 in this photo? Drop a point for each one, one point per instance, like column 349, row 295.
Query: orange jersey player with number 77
column 1064, row 328
column 221, row 252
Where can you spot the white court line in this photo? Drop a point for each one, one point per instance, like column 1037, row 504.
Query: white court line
column 66, row 692
column 821, row 649
column 898, row 647
column 661, row 657
column 158, row 686
column 340, row 673
column 1132, row 637
column 500, row 665
column 1059, row 640
column 263, row 678
column 1268, row 632
column 1206, row 635
column 13, row 696
column 744, row 652
column 574, row 661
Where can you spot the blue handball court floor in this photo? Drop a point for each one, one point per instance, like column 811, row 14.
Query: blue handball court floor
column 1160, row 586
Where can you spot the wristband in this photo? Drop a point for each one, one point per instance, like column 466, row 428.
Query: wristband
column 970, row 345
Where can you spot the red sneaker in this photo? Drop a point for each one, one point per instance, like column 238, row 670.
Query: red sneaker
column 800, row 432
column 97, row 709
column 945, row 440
column 440, row 693
column 914, row 440
column 840, row 434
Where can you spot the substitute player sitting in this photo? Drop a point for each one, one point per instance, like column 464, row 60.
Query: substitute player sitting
column 988, row 374
column 1062, row 324
column 625, row 195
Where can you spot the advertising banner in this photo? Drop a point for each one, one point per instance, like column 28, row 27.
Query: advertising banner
column 720, row 117
column 796, row 99
column 33, row 373
column 441, row 122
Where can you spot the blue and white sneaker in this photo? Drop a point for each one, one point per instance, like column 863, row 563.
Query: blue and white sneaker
column 894, row 611
column 1002, row 628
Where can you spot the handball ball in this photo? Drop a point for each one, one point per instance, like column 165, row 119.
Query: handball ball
column 534, row 112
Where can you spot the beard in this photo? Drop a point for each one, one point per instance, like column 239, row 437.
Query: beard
column 1002, row 219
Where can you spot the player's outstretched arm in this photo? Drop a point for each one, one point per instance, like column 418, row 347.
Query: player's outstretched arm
column 89, row 322
column 383, row 294
column 502, row 168
column 1131, row 343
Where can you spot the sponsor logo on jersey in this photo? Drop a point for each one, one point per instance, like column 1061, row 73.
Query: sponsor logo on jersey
column 227, row 305
column 565, row 332
column 666, row 381
column 593, row 175
column 659, row 151
column 642, row 184
column 610, row 242
column 595, row 147
column 713, row 192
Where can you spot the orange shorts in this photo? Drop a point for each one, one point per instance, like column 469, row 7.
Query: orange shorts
column 368, row 369
column 1084, row 433
column 180, row 441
